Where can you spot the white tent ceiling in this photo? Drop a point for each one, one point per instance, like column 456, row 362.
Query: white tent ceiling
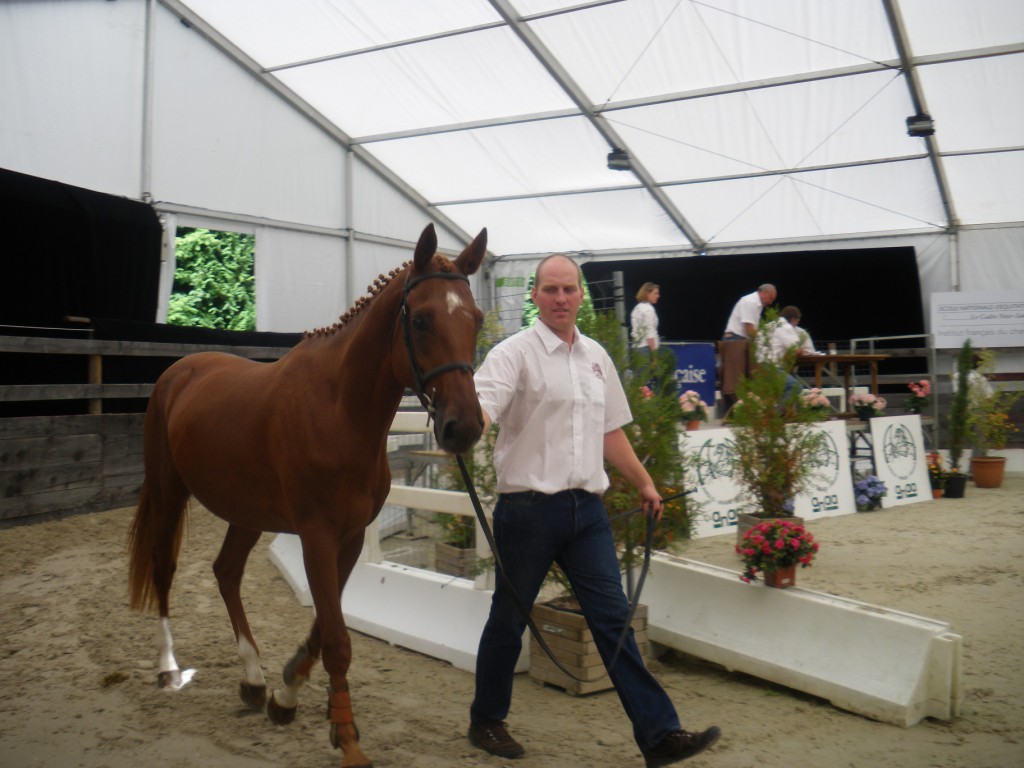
column 746, row 121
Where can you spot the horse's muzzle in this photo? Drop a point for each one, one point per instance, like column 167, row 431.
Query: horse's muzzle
column 457, row 433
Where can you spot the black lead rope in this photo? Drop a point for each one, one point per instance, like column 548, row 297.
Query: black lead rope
column 634, row 600
column 500, row 566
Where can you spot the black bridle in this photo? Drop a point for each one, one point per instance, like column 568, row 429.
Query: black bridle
column 420, row 379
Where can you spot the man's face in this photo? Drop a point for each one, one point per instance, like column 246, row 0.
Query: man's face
column 558, row 295
column 767, row 297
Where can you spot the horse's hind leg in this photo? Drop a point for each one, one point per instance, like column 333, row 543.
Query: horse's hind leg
column 154, row 542
column 229, row 568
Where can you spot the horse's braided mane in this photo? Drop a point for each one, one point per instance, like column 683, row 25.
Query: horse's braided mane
column 373, row 290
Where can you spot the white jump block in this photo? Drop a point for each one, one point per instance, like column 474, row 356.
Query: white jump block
column 884, row 664
column 437, row 615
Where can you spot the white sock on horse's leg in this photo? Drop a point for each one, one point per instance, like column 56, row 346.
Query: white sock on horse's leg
column 251, row 659
column 168, row 674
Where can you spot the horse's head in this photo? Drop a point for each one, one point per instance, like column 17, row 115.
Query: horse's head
column 440, row 322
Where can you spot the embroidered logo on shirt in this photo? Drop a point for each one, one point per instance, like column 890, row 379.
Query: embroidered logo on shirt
column 598, row 373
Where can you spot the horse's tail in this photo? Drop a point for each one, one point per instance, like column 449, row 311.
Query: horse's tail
column 154, row 538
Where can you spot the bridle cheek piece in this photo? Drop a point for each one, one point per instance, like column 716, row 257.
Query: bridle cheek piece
column 420, row 379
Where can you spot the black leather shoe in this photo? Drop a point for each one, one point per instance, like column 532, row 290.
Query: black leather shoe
column 494, row 738
column 679, row 745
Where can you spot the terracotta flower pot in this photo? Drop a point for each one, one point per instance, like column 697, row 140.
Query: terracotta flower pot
column 988, row 471
column 692, row 425
column 781, row 578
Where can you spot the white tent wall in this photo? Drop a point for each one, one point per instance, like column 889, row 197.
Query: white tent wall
column 300, row 280
column 223, row 141
column 381, row 209
column 71, row 86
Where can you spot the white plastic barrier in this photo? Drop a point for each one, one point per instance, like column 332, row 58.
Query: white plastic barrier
column 884, row 664
column 887, row 665
column 440, row 616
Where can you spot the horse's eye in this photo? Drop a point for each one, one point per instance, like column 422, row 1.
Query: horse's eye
column 420, row 323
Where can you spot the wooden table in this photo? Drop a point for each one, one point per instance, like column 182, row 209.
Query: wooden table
column 844, row 363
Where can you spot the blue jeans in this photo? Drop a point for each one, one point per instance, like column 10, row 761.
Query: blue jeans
column 531, row 531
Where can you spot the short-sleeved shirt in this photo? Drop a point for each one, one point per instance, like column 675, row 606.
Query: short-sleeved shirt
column 785, row 336
column 644, row 322
column 555, row 403
column 747, row 310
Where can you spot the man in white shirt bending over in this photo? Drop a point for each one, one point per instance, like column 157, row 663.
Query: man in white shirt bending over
column 740, row 330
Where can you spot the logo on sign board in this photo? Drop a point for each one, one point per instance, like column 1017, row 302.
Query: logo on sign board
column 826, row 464
column 715, row 464
column 899, row 450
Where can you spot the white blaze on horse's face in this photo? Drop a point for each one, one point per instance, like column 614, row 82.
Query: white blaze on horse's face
column 454, row 302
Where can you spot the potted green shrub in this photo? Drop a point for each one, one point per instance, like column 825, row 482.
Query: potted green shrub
column 455, row 551
column 957, row 423
column 988, row 422
column 774, row 440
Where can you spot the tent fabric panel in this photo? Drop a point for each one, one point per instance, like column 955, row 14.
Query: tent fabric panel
column 818, row 203
column 988, row 188
column 224, row 141
column 528, row 158
column 300, row 280
column 379, row 208
column 809, row 124
column 974, row 103
column 71, row 84
column 990, row 259
column 634, row 50
column 620, row 219
column 484, row 75
column 941, row 26
column 315, row 28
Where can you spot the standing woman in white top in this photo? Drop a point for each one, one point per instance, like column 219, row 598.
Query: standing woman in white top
column 643, row 319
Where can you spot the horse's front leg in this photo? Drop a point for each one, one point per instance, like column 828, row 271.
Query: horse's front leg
column 327, row 570
column 284, row 701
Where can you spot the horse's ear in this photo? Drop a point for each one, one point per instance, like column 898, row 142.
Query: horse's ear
column 425, row 248
column 470, row 258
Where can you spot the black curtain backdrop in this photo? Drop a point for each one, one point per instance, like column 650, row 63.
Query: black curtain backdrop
column 72, row 251
column 842, row 294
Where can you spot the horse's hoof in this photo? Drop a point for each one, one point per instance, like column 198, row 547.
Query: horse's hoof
column 252, row 695
column 279, row 715
column 169, row 679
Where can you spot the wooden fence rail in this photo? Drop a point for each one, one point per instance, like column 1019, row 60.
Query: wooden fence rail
column 57, row 465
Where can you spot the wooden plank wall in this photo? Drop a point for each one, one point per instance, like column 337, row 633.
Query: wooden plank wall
column 55, row 466
column 52, row 466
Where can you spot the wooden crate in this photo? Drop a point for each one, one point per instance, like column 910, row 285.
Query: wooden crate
column 570, row 639
column 454, row 561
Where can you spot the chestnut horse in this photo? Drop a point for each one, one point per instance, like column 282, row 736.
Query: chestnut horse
column 299, row 445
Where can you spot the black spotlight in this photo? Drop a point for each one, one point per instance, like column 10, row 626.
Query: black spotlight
column 618, row 160
column 920, row 125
